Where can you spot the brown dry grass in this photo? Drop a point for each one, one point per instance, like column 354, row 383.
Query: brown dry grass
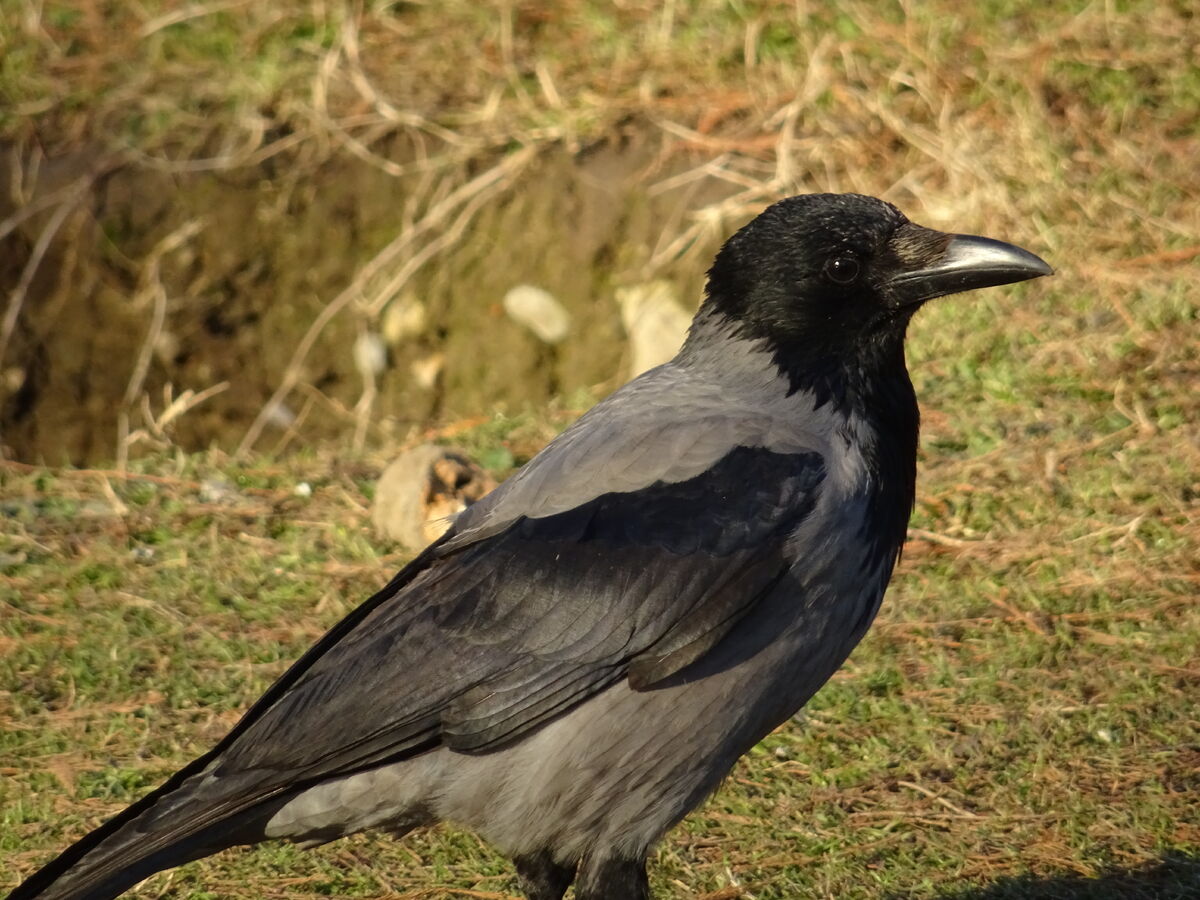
column 1073, row 128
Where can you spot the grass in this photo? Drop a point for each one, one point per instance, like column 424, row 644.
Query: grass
column 1069, row 126
column 1021, row 721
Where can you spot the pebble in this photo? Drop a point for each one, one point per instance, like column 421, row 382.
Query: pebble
column 539, row 311
column 422, row 490
column 655, row 322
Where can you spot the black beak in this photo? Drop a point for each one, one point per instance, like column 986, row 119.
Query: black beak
column 966, row 262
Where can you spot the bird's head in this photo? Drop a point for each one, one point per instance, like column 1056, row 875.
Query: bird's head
column 825, row 277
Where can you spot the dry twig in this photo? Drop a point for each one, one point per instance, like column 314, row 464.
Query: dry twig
column 17, row 298
column 463, row 199
column 151, row 288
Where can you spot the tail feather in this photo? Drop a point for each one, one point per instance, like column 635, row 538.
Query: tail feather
column 188, row 817
column 168, row 827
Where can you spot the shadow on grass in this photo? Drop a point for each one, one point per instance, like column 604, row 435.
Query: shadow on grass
column 1174, row 877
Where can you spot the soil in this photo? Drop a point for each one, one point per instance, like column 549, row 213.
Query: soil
column 277, row 242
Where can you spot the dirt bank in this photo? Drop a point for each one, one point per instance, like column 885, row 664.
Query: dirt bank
column 185, row 281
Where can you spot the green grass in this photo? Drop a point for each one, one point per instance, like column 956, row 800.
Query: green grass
column 1021, row 721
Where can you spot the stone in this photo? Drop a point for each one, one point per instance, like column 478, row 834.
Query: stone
column 655, row 322
column 370, row 354
column 403, row 319
column 539, row 311
column 422, row 490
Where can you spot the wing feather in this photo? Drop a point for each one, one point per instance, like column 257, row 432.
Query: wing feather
column 496, row 639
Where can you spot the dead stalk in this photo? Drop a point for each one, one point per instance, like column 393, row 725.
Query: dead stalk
column 498, row 177
column 17, row 298
column 151, row 288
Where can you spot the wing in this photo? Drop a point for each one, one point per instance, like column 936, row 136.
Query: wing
column 626, row 549
column 666, row 426
column 494, row 640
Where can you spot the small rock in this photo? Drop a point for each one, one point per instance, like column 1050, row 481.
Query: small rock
column 370, row 354
column 403, row 319
column 217, row 490
column 13, row 378
column 142, row 555
column 280, row 415
column 655, row 322
column 425, row 371
column 303, row 489
column 422, row 490
column 538, row 311
column 166, row 347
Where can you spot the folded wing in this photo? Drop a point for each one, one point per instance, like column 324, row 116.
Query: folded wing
column 499, row 636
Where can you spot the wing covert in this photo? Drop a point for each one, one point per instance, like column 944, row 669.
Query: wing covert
column 490, row 642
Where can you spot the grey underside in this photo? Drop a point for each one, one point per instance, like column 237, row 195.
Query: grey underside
column 616, row 772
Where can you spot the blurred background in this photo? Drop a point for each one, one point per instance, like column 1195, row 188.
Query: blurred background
column 250, row 251
column 248, row 225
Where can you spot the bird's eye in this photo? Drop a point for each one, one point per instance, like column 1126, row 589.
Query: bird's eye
column 842, row 269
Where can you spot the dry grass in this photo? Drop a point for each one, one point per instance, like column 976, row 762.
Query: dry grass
column 1072, row 128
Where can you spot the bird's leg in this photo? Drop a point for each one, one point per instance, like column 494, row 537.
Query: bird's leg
column 611, row 878
column 541, row 877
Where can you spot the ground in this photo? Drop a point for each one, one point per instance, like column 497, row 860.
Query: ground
column 1021, row 722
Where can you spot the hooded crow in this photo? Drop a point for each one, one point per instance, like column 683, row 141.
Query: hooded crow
column 582, row 658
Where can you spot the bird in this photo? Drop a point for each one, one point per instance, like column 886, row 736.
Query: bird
column 583, row 656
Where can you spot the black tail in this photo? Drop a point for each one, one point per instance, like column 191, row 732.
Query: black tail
column 189, row 817
column 165, row 828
